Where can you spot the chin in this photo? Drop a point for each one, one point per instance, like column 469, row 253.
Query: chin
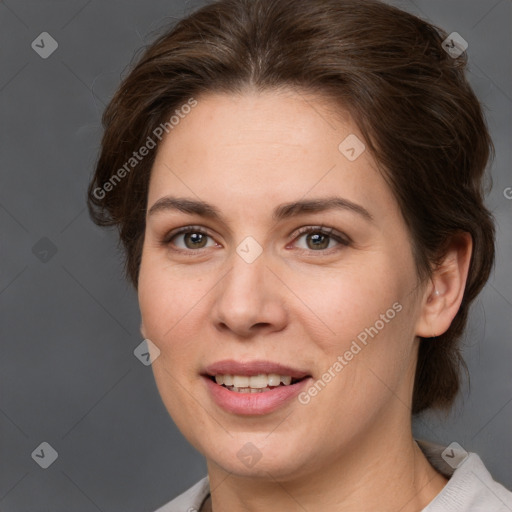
column 252, row 456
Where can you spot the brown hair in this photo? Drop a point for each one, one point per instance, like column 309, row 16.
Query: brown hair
column 387, row 68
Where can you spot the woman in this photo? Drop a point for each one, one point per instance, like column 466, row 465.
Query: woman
column 298, row 189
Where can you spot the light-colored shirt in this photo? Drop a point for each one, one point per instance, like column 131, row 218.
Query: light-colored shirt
column 470, row 487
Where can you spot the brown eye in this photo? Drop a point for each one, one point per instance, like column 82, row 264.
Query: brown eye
column 195, row 240
column 189, row 238
column 320, row 239
column 317, row 241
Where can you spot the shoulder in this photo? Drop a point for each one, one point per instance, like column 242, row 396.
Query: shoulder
column 470, row 488
column 190, row 500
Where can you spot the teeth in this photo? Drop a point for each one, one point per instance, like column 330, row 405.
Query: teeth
column 258, row 381
column 240, row 381
column 274, row 379
column 247, row 390
column 286, row 380
column 254, row 383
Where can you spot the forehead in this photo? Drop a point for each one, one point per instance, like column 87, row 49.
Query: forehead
column 266, row 148
column 272, row 119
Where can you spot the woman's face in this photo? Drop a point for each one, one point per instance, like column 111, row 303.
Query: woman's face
column 247, row 290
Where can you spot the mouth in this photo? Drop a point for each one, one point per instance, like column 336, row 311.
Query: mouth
column 255, row 387
column 260, row 383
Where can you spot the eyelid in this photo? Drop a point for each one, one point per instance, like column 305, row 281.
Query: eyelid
column 166, row 239
column 326, row 230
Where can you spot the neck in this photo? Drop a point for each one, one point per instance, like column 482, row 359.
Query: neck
column 371, row 475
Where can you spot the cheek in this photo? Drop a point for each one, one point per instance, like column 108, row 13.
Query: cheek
column 166, row 304
column 166, row 301
column 344, row 302
column 367, row 321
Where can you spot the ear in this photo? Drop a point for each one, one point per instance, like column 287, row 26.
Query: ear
column 443, row 295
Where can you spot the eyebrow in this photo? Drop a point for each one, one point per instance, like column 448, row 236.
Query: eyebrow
column 281, row 212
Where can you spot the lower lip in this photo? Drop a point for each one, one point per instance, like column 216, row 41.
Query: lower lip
column 253, row 403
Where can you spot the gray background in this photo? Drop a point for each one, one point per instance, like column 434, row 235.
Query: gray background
column 69, row 322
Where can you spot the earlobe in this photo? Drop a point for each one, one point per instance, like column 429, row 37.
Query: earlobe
column 443, row 295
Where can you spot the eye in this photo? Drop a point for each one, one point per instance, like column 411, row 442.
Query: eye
column 319, row 238
column 189, row 238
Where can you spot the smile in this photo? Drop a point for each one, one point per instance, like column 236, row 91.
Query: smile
column 254, row 384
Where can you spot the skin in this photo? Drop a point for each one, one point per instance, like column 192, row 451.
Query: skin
column 351, row 447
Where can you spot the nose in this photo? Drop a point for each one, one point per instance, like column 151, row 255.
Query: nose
column 249, row 299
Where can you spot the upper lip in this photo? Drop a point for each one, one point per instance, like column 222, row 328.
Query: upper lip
column 250, row 368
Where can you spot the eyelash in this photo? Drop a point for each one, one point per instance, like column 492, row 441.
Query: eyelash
column 343, row 240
